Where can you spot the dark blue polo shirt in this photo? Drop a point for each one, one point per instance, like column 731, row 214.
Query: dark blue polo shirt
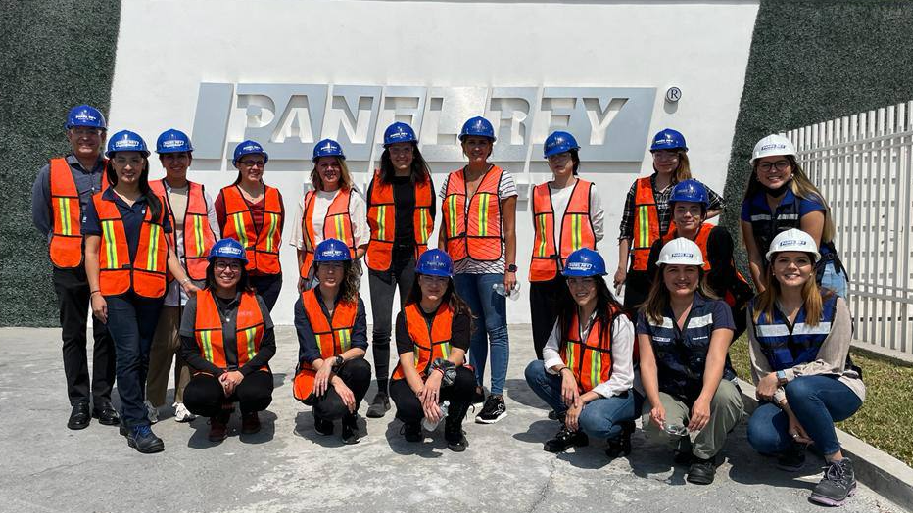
column 132, row 218
column 757, row 204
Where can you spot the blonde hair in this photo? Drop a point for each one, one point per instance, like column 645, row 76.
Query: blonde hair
column 345, row 177
column 658, row 297
column 812, row 298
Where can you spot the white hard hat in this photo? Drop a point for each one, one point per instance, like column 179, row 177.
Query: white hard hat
column 681, row 251
column 772, row 145
column 793, row 240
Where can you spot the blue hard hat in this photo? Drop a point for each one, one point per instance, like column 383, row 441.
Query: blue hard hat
column 327, row 148
column 248, row 147
column 228, row 248
column 478, row 126
column 173, row 141
column 584, row 262
column 435, row 262
column 691, row 191
column 84, row 115
column 126, row 140
column 332, row 250
column 668, row 139
column 399, row 132
column 560, row 142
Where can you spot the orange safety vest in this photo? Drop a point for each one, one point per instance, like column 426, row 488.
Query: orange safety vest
column 332, row 336
column 207, row 329
column 65, row 248
column 590, row 360
column 146, row 275
column 646, row 223
column 382, row 221
column 263, row 245
column 576, row 230
column 337, row 224
column 478, row 234
column 198, row 235
column 701, row 239
column 427, row 344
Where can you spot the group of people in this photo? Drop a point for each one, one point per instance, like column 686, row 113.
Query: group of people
column 173, row 276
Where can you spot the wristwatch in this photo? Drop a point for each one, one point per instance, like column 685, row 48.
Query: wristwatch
column 511, row 268
column 781, row 377
column 339, row 360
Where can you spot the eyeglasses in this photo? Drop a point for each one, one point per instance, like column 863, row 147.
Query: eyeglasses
column 84, row 131
column 665, row 155
column 231, row 266
column 252, row 163
column 400, row 151
column 781, row 165
column 559, row 158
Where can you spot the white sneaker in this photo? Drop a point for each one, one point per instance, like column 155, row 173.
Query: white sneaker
column 182, row 414
column 152, row 413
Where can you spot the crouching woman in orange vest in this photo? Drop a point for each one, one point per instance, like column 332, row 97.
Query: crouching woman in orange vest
column 128, row 259
column 252, row 213
column 227, row 339
column 332, row 375
column 432, row 337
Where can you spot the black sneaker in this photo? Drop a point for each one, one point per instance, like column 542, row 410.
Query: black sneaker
column 379, row 405
column 839, row 482
column 144, row 440
column 701, row 471
column 412, row 431
column 350, row 429
column 621, row 444
column 565, row 439
column 493, row 410
column 453, row 433
column 793, row 459
column 323, row 426
column 478, row 397
column 683, row 454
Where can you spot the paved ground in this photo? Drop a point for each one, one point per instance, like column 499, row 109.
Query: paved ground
column 288, row 467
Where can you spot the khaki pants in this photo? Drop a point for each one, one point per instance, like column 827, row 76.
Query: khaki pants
column 166, row 347
column 725, row 412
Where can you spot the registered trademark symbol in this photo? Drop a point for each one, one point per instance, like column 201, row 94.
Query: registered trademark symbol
column 673, row 94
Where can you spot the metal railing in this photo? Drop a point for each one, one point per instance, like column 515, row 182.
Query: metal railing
column 863, row 165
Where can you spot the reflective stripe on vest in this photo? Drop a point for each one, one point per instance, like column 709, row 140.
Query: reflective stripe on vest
column 197, row 232
column 701, row 239
column 337, row 224
column 428, row 344
column 590, row 360
column 382, row 221
column 332, row 337
column 248, row 332
column 786, row 345
column 263, row 245
column 476, row 232
column 66, row 239
column 576, row 229
column 146, row 275
column 646, row 223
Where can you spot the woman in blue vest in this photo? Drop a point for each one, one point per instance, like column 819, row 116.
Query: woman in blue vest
column 780, row 196
column 588, row 370
column 683, row 336
column 799, row 342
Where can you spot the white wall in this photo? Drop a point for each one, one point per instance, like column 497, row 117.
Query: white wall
column 168, row 47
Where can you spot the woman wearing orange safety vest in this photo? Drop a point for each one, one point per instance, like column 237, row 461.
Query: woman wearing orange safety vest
column 401, row 209
column 252, row 213
column 227, row 339
column 332, row 375
column 334, row 209
column 128, row 258
column 646, row 214
column 193, row 218
column 479, row 206
column 62, row 190
column 567, row 216
column 432, row 337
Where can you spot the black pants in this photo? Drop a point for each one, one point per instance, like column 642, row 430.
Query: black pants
column 204, row 395
column 409, row 409
column 545, row 298
column 73, row 299
column 356, row 374
column 383, row 285
column 268, row 287
column 637, row 287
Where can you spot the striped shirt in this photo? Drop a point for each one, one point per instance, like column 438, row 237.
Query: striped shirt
column 663, row 212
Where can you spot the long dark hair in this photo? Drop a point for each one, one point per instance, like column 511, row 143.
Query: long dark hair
column 604, row 300
column 351, row 282
column 243, row 282
column 155, row 205
column 418, row 173
column 450, row 296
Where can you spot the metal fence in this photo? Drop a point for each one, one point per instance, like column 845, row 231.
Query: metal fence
column 863, row 165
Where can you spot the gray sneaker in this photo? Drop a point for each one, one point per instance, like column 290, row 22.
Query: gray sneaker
column 839, row 482
column 152, row 413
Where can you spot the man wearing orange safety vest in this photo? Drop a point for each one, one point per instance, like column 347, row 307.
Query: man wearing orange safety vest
column 61, row 191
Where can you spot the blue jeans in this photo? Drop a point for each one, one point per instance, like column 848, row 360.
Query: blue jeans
column 489, row 310
column 600, row 418
column 131, row 322
column 817, row 402
column 834, row 280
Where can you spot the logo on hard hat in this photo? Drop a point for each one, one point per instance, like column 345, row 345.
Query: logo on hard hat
column 84, row 116
column 252, row 147
column 682, row 255
column 787, row 243
column 126, row 143
column 400, row 133
column 231, row 251
column 332, row 253
column 579, row 266
column 173, row 144
column 773, row 146
column 329, row 147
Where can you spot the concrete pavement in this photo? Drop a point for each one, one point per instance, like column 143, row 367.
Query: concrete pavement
column 288, row 467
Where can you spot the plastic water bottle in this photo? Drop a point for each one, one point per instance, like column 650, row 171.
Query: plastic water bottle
column 514, row 292
column 431, row 426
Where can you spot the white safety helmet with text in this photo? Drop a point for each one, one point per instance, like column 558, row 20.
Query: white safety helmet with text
column 772, row 146
column 681, row 251
column 793, row 240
